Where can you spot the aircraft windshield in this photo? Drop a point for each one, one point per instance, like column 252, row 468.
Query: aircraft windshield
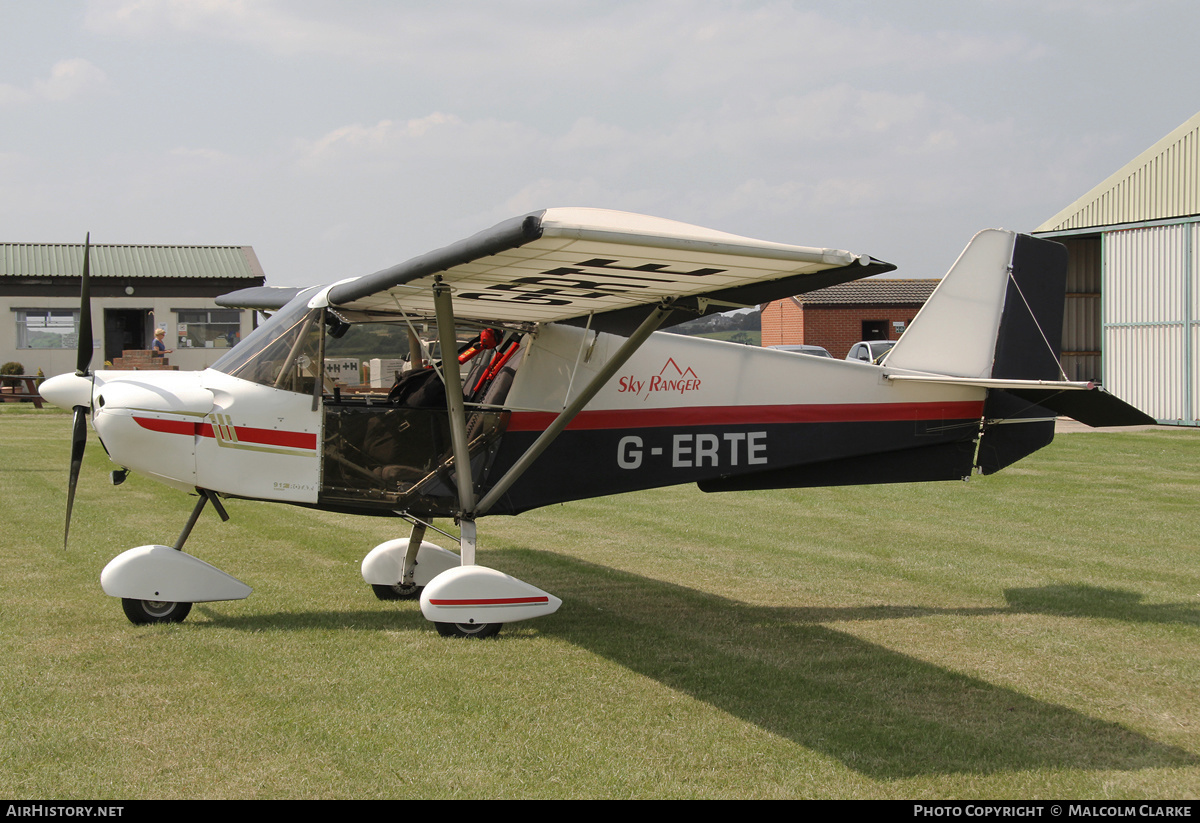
column 282, row 352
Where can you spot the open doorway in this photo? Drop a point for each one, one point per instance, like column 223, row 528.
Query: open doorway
column 874, row 330
column 127, row 329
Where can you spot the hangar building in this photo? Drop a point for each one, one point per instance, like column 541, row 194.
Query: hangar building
column 1133, row 287
column 135, row 289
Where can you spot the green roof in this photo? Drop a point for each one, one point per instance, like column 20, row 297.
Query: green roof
column 66, row 260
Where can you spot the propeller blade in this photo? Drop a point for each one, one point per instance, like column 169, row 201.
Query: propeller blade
column 83, row 358
column 78, row 441
column 83, row 362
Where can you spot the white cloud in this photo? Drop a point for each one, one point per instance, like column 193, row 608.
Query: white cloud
column 12, row 95
column 68, row 80
column 71, row 79
column 696, row 49
column 747, row 166
column 286, row 28
column 384, row 143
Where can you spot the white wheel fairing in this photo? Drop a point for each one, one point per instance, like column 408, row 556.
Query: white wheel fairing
column 162, row 574
column 384, row 564
column 471, row 595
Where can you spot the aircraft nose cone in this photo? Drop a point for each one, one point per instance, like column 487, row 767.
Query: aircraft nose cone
column 67, row 391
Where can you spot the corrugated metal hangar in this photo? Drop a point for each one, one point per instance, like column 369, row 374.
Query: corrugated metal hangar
column 1133, row 288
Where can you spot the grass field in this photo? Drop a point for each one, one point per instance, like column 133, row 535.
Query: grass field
column 1035, row 634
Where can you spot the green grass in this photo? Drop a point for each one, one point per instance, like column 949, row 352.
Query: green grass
column 1031, row 634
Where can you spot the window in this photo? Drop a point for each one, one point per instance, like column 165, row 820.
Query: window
column 47, row 328
column 280, row 352
column 207, row 328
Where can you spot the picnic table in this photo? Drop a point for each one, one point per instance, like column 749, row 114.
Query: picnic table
column 25, row 389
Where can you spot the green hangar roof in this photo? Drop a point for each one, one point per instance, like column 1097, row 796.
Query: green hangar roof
column 41, row 260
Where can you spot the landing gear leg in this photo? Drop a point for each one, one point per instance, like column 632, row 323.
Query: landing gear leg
column 466, row 546
column 406, row 589
column 159, row 584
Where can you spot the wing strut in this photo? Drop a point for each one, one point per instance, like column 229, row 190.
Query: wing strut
column 456, row 412
column 443, row 305
column 631, row 345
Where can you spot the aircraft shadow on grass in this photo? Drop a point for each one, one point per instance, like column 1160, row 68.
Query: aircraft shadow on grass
column 884, row 714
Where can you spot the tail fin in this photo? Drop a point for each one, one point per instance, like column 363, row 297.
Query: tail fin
column 995, row 321
column 996, row 314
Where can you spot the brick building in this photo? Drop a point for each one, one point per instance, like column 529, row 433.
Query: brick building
column 840, row 316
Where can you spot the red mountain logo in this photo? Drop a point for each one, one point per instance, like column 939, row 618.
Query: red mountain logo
column 678, row 372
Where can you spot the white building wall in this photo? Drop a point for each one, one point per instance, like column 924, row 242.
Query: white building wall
column 1193, row 332
column 1150, row 315
column 58, row 361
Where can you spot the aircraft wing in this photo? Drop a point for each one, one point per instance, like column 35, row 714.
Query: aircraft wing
column 608, row 268
column 260, row 298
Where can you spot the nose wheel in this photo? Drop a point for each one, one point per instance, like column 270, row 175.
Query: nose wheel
column 142, row 612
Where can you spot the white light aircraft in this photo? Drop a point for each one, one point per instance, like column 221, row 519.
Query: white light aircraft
column 563, row 389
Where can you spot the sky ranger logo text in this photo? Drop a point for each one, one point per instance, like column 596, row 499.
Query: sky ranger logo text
column 671, row 378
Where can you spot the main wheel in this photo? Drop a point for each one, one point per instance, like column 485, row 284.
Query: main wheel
column 397, row 592
column 141, row 612
column 468, row 629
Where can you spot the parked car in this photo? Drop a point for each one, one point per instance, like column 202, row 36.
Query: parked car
column 797, row 348
column 870, row 351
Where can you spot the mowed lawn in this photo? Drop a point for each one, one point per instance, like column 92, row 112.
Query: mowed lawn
column 1035, row 634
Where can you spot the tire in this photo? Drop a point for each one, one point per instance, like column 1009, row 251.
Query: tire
column 142, row 612
column 397, row 592
column 479, row 630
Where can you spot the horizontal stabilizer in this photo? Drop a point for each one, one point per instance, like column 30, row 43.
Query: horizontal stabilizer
column 1088, row 403
column 1094, row 407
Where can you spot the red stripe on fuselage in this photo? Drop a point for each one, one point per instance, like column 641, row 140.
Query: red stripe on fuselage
column 739, row 415
column 245, row 434
column 154, row 424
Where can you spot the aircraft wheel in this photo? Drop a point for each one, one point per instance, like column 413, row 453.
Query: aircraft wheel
column 468, row 629
column 397, row 592
column 141, row 612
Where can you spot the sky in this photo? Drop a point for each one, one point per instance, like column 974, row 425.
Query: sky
column 339, row 138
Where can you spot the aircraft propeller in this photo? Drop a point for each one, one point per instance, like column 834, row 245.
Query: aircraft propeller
column 83, row 362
